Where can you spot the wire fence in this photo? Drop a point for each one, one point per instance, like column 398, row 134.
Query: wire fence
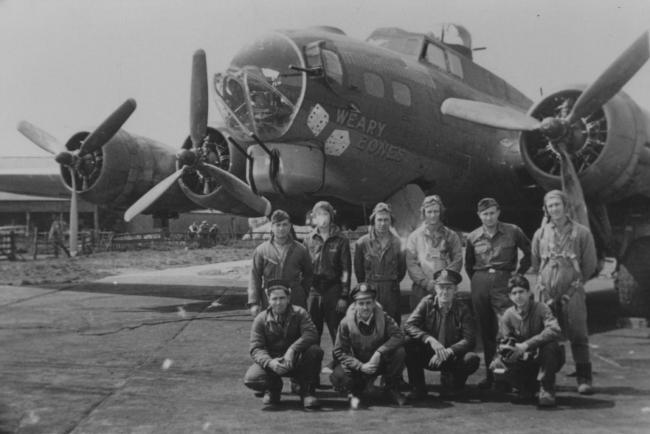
column 21, row 244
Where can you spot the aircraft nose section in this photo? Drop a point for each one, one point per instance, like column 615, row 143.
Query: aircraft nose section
column 259, row 93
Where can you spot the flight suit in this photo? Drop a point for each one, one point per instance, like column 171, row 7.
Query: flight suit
column 356, row 342
column 565, row 258
column 331, row 261
column 427, row 251
column 539, row 329
column 383, row 267
column 269, row 263
column 271, row 337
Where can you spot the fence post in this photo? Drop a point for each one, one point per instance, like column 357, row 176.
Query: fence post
column 35, row 249
column 12, row 246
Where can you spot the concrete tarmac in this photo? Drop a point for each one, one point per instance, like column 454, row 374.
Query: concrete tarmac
column 165, row 352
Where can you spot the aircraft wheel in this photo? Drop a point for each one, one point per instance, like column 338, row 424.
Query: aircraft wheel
column 633, row 280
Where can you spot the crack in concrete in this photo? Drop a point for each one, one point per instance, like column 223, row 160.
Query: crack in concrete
column 86, row 415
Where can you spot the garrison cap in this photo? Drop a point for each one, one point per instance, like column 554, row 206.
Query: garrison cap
column 381, row 207
column 279, row 216
column 363, row 290
column 275, row 284
column 447, row 276
column 485, row 203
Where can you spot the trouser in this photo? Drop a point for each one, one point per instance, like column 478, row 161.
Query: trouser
column 389, row 296
column 454, row 371
column 321, row 306
column 391, row 367
column 305, row 372
column 540, row 369
column 489, row 302
column 58, row 244
column 559, row 280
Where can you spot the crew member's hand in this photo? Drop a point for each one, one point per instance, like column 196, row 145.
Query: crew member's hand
column 518, row 350
column 372, row 365
column 434, row 362
column 341, row 306
column 278, row 366
column 445, row 354
column 434, row 344
column 255, row 309
column 288, row 358
column 431, row 286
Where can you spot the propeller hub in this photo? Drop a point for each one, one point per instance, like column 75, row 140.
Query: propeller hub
column 186, row 157
column 65, row 158
column 553, row 128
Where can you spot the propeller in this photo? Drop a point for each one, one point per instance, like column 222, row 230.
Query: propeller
column 92, row 143
column 193, row 159
column 152, row 195
column 240, row 189
column 561, row 130
column 198, row 99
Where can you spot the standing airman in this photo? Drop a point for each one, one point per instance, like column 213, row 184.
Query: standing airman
column 281, row 257
column 430, row 248
column 564, row 255
column 380, row 261
column 490, row 260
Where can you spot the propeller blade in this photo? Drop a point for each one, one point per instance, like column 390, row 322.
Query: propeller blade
column 40, row 138
column 108, row 128
column 152, row 195
column 239, row 189
column 491, row 115
column 612, row 80
column 572, row 188
column 74, row 217
column 199, row 99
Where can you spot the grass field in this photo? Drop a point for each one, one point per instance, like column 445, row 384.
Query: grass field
column 62, row 270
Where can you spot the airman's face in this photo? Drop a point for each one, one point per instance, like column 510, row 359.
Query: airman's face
column 555, row 208
column 520, row 296
column 432, row 214
column 364, row 307
column 321, row 218
column 490, row 217
column 281, row 230
column 382, row 222
column 278, row 300
column 445, row 292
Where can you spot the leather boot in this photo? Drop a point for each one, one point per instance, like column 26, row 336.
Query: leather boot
column 309, row 400
column 583, row 377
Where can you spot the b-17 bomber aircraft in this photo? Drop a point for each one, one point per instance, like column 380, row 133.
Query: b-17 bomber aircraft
column 314, row 114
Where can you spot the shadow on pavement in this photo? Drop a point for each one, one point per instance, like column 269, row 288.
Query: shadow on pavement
column 158, row 290
column 621, row 390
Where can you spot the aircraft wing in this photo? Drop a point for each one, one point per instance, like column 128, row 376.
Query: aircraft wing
column 33, row 182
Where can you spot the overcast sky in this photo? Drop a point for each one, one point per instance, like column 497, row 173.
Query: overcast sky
column 66, row 64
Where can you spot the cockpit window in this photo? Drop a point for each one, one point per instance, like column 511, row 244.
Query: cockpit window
column 259, row 93
column 411, row 46
column 333, row 68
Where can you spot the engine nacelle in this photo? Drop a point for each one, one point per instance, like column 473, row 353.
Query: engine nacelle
column 609, row 152
column 223, row 154
column 124, row 169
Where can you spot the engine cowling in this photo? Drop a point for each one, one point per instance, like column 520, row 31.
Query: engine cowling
column 609, row 150
column 206, row 192
column 124, row 169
